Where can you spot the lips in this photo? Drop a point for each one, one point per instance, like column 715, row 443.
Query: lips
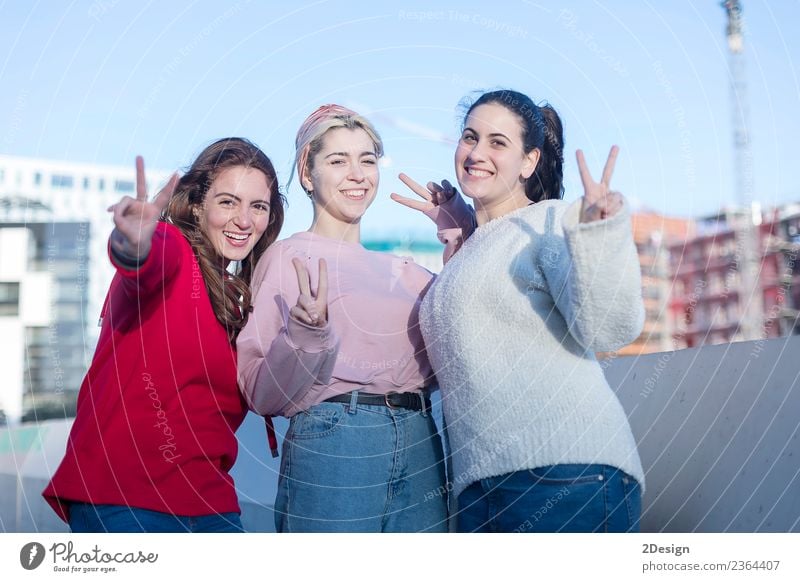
column 236, row 238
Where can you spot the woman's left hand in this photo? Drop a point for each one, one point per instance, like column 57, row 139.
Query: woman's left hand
column 434, row 195
column 599, row 202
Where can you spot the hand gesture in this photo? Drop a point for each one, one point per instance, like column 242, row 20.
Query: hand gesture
column 135, row 218
column 599, row 202
column 311, row 308
column 434, row 195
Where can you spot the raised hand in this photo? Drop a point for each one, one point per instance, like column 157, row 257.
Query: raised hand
column 311, row 308
column 599, row 202
column 136, row 218
column 434, row 195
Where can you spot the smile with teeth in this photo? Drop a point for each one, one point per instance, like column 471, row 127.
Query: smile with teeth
column 236, row 236
column 478, row 173
column 358, row 194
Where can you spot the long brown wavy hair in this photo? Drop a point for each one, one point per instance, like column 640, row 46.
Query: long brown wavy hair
column 229, row 292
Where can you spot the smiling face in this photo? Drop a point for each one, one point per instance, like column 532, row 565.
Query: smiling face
column 491, row 164
column 343, row 179
column 235, row 211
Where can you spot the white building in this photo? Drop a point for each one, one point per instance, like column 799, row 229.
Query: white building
column 54, row 274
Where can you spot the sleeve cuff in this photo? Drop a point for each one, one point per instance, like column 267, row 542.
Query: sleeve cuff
column 310, row 339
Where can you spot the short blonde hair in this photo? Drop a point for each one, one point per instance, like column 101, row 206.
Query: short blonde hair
column 309, row 137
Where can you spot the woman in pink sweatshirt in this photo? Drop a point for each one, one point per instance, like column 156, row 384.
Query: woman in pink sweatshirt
column 334, row 344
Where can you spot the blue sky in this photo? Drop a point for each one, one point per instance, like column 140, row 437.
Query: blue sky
column 104, row 80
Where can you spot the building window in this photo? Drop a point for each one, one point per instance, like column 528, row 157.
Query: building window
column 124, row 186
column 101, row 184
column 61, row 181
column 86, row 183
column 37, row 179
column 2, row 175
column 9, row 299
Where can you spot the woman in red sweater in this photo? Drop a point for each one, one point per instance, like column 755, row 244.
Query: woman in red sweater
column 153, row 439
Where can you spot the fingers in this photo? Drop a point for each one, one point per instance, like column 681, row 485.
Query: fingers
column 586, row 177
column 415, row 204
column 322, row 284
column 610, row 163
column 300, row 314
column 141, row 184
column 164, row 195
column 448, row 191
column 416, row 188
column 302, row 277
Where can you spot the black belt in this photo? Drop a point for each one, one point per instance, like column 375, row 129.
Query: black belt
column 408, row 400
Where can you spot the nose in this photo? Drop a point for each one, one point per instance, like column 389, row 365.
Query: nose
column 242, row 218
column 356, row 172
column 476, row 152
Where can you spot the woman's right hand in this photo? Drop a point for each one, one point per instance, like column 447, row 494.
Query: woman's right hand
column 434, row 195
column 311, row 308
column 135, row 219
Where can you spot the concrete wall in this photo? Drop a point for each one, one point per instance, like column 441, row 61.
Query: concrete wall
column 717, row 429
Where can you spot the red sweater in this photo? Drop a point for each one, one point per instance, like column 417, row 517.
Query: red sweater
column 159, row 406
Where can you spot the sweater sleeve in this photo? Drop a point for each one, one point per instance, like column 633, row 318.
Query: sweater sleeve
column 161, row 264
column 455, row 222
column 594, row 276
column 281, row 359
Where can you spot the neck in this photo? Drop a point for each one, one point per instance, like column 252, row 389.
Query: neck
column 343, row 231
column 489, row 210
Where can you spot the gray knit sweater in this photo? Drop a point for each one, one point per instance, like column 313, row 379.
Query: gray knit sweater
column 511, row 326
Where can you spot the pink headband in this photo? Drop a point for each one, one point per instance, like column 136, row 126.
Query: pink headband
column 306, row 132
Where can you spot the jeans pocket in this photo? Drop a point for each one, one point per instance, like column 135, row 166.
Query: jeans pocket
column 567, row 474
column 318, row 421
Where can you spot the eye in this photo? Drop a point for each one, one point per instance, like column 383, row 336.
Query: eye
column 337, row 162
column 498, row 143
column 261, row 207
column 468, row 138
column 227, row 202
column 369, row 161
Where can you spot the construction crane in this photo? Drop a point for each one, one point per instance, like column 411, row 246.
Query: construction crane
column 748, row 254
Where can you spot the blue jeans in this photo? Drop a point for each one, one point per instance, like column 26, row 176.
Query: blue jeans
column 556, row 498
column 361, row 468
column 87, row 518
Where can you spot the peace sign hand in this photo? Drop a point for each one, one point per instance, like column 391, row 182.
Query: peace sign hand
column 311, row 308
column 599, row 202
column 136, row 218
column 434, row 195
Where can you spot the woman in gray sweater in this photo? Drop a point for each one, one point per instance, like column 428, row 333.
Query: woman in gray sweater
column 539, row 440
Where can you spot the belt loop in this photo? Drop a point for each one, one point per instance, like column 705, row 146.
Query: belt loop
column 353, row 406
column 422, row 404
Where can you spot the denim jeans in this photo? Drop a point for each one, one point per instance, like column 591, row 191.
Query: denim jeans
column 556, row 498
column 87, row 518
column 361, row 468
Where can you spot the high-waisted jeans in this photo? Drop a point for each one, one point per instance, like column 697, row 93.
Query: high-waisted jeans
column 361, row 468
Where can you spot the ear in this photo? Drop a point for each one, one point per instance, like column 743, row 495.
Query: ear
column 529, row 163
column 305, row 180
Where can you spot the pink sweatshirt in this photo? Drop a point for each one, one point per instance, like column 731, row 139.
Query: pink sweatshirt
column 372, row 341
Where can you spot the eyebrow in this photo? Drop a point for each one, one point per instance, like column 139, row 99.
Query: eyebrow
column 237, row 198
column 346, row 154
column 496, row 134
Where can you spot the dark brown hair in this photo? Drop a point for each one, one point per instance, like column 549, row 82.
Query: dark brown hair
column 229, row 292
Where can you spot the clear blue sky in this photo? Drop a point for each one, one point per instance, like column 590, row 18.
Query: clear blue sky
column 104, row 80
